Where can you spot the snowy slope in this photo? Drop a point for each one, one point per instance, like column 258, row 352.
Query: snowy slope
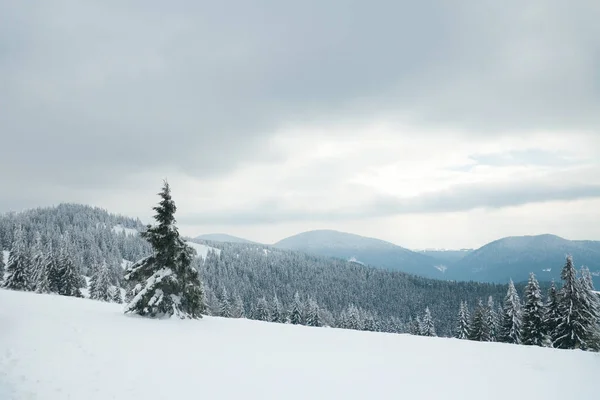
column 57, row 348
column 202, row 249
column 223, row 237
column 127, row 231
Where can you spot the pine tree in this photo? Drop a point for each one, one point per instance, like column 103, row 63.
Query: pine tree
column 261, row 311
column 532, row 330
column 463, row 322
column 551, row 313
column 17, row 268
column 354, row 320
column 166, row 282
column 101, row 288
column 428, row 325
column 510, row 329
column 225, row 309
column 312, row 314
column 591, row 303
column 479, row 330
column 38, row 261
column 2, row 266
column 238, row 307
column 296, row 312
column 117, row 297
column 575, row 319
column 414, row 326
column 491, row 322
column 69, row 277
column 53, row 270
column 277, row 313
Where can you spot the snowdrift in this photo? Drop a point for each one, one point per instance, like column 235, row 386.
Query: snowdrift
column 58, row 348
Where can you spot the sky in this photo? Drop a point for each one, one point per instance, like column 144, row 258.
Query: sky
column 429, row 124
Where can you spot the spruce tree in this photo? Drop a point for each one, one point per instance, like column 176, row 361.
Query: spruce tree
column 238, row 307
column 225, row 309
column 491, row 320
column 312, row 314
column 532, row 330
column 117, row 297
column 2, row 266
column 38, row 261
column 277, row 312
column 414, row 326
column 166, row 282
column 551, row 313
column 463, row 322
column 69, row 278
column 510, row 329
column 297, row 311
column 101, row 289
column 591, row 303
column 428, row 325
column 575, row 319
column 261, row 311
column 18, row 266
column 478, row 325
column 53, row 270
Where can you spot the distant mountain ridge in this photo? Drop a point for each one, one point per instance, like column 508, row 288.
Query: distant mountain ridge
column 361, row 249
column 223, row 237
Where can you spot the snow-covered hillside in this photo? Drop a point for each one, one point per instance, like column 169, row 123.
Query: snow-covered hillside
column 202, row 249
column 57, row 348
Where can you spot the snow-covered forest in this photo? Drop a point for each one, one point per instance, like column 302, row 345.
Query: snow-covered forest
column 78, row 250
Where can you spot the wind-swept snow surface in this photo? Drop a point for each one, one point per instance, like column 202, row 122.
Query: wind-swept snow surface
column 58, row 348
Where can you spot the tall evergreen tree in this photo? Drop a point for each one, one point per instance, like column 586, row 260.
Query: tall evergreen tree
column 101, row 289
column 428, row 325
column 533, row 331
column 510, row 329
column 354, row 320
column 17, row 268
column 38, row 261
column 2, row 265
column 69, row 278
column 463, row 322
column 479, row 326
column 238, row 307
column 225, row 310
column 166, row 282
column 591, row 302
column 297, row 311
column 551, row 313
column 261, row 311
column 117, row 297
column 312, row 313
column 277, row 312
column 414, row 326
column 575, row 319
column 491, row 320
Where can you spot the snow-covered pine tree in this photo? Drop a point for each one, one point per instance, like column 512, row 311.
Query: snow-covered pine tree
column 592, row 304
column 479, row 330
column 297, row 311
column 532, row 328
column 354, row 320
column 101, row 289
column 2, row 266
column 117, row 297
column 261, row 310
column 463, row 322
column 225, row 306
column 428, row 325
column 17, row 268
column 414, row 326
column 551, row 313
column 38, row 261
column 312, row 313
column 238, row 307
column 370, row 322
column 277, row 312
column 491, row 320
column 510, row 329
column 69, row 278
column 575, row 319
column 166, row 282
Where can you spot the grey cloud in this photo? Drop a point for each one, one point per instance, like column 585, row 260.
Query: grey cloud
column 93, row 92
column 456, row 199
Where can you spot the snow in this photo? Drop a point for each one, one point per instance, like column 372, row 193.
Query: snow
column 126, row 263
column 441, row 268
column 202, row 249
column 354, row 260
column 121, row 229
column 57, row 348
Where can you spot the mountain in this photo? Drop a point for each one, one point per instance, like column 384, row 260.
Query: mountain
column 222, row 237
column 113, row 356
column 446, row 257
column 515, row 257
column 370, row 251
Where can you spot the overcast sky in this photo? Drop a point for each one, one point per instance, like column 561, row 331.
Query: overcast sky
column 426, row 123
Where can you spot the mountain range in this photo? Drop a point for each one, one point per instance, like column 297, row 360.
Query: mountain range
column 497, row 262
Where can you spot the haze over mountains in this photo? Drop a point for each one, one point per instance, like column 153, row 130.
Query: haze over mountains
column 498, row 261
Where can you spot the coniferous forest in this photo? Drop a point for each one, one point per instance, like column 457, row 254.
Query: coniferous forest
column 77, row 250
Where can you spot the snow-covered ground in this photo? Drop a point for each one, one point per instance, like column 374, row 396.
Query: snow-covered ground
column 58, row 348
column 121, row 229
column 202, row 249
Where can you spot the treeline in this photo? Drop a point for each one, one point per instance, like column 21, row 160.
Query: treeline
column 568, row 319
